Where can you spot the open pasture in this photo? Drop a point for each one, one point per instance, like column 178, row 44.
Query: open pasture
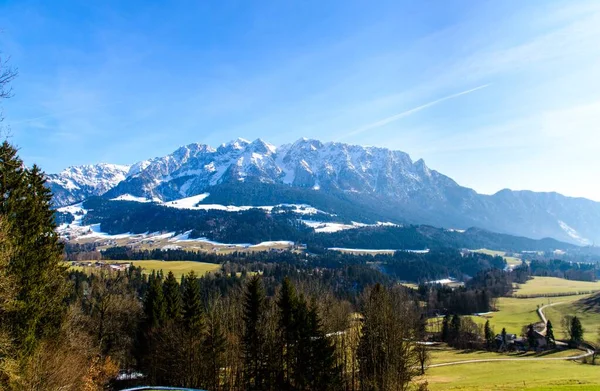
column 554, row 285
column 514, row 375
column 178, row 268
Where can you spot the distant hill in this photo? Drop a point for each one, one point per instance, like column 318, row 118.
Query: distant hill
column 297, row 223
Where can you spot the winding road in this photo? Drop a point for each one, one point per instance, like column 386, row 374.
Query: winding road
column 540, row 312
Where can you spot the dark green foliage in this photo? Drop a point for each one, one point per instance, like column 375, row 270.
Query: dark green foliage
column 256, row 225
column 36, row 261
column 192, row 303
column 213, row 349
column 564, row 269
column 154, row 303
column 576, row 330
column 454, row 330
column 550, row 334
column 255, row 374
column 172, row 294
column 446, row 328
column 488, row 335
column 531, row 340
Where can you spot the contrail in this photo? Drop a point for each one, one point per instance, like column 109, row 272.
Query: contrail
column 406, row 113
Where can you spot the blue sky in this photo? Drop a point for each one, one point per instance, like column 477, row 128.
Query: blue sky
column 499, row 94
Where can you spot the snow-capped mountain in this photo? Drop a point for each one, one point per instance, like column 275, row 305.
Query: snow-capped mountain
column 74, row 184
column 380, row 183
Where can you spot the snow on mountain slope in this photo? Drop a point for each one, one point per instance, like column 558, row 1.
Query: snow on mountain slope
column 74, row 184
column 385, row 183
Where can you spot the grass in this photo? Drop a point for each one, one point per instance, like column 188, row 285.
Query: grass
column 552, row 285
column 514, row 375
column 590, row 319
column 444, row 355
column 511, row 261
column 514, row 313
column 178, row 268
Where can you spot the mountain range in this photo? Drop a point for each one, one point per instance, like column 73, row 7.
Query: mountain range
column 356, row 183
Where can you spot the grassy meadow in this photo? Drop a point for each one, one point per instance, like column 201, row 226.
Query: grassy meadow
column 178, row 268
column 515, row 375
column 511, row 261
column 554, row 285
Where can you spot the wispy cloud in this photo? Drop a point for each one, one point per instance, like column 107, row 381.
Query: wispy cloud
column 395, row 117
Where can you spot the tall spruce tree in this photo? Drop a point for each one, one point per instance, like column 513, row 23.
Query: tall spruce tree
column 213, row 347
column 550, row 341
column 323, row 374
column 488, row 335
column 454, row 333
column 253, row 337
column 173, row 301
column 154, row 303
column 576, row 330
column 192, row 303
column 287, row 304
column 36, row 259
column 446, row 328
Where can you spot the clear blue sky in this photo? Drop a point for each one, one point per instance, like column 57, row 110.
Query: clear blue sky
column 494, row 94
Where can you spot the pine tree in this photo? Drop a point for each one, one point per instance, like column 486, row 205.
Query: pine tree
column 173, row 301
column 213, row 348
column 504, row 338
column 36, row 259
column 287, row 304
column 446, row 328
column 322, row 374
column 154, row 303
column 550, row 334
column 454, row 333
column 489, row 335
column 192, row 303
column 576, row 330
column 253, row 338
column 531, row 341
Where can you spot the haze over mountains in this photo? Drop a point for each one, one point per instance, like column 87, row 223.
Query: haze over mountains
column 366, row 184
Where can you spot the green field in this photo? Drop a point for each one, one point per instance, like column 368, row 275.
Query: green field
column 178, row 268
column 514, row 313
column 515, row 375
column 553, row 285
column 590, row 319
column 443, row 355
column 511, row 261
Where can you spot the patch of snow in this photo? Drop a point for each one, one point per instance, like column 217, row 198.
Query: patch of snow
column 274, row 243
column 364, row 250
column 443, row 281
column 129, row 197
column 573, row 233
column 188, row 202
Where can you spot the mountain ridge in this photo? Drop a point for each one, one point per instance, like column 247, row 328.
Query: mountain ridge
column 371, row 177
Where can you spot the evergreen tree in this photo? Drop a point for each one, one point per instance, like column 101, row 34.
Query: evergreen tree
column 173, row 301
column 576, row 330
column 454, row 333
column 531, row 340
column 504, row 338
column 287, row 304
column 192, row 303
column 154, row 303
column 446, row 328
column 36, row 258
column 550, row 334
column 253, row 338
column 213, row 348
column 488, row 335
column 323, row 374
